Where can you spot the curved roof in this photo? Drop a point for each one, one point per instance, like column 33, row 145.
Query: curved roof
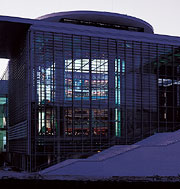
column 104, row 17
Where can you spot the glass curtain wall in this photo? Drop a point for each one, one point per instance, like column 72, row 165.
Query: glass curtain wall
column 102, row 90
column 3, row 123
column 86, row 86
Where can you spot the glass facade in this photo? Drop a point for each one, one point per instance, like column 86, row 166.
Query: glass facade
column 90, row 93
column 3, row 123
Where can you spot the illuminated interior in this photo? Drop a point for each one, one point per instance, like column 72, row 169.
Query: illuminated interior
column 3, row 123
column 80, row 83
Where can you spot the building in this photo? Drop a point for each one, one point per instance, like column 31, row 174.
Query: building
column 82, row 81
column 3, row 114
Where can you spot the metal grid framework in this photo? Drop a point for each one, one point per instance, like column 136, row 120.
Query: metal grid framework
column 90, row 93
column 18, row 113
column 3, row 110
column 82, row 94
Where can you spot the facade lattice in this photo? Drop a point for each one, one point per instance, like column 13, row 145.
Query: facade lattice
column 77, row 88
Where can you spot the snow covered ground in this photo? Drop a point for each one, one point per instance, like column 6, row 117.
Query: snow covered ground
column 156, row 155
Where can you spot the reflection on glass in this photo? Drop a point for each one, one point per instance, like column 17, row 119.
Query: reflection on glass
column 46, row 84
